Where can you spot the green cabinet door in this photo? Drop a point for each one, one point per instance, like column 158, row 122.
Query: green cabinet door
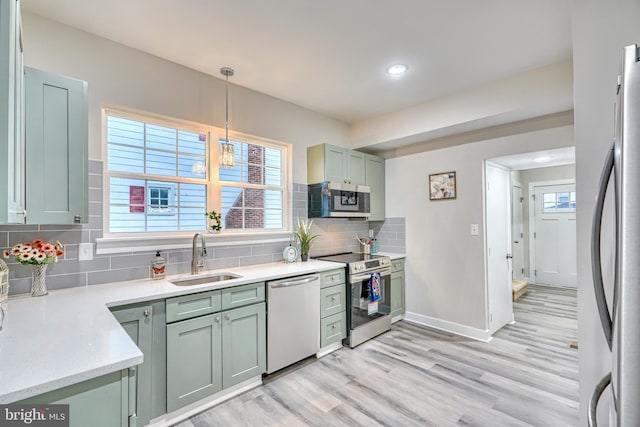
column 375, row 180
column 99, row 402
column 194, row 360
column 243, row 344
column 397, row 293
column 335, row 163
column 137, row 322
column 56, row 147
column 356, row 167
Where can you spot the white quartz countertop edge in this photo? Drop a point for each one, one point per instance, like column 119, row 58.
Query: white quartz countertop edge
column 70, row 335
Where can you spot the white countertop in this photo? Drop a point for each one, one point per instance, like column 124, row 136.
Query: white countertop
column 70, row 335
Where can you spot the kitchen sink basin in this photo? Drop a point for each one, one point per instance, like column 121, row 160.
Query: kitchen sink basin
column 221, row 277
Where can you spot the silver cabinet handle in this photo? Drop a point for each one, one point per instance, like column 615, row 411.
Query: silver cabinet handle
column 77, row 218
column 333, row 298
column 228, row 317
column 146, row 313
column 217, row 319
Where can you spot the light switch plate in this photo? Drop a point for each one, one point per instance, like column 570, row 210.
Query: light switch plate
column 475, row 230
column 85, row 251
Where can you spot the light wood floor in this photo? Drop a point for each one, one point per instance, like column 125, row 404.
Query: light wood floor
column 411, row 376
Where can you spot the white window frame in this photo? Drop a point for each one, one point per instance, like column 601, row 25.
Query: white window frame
column 118, row 242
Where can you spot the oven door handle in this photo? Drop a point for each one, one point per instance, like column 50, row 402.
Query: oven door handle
column 367, row 276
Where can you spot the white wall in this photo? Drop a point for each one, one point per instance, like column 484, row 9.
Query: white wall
column 122, row 76
column 600, row 31
column 445, row 264
column 533, row 93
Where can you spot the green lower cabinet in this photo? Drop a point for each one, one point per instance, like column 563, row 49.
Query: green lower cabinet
column 99, row 402
column 397, row 293
column 145, row 325
column 209, row 353
column 194, row 360
column 244, row 344
column 333, row 329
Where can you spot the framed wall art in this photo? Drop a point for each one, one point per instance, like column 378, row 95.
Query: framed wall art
column 442, row 186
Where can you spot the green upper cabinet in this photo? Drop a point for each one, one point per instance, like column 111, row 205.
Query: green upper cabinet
column 56, row 148
column 11, row 114
column 375, row 180
column 327, row 162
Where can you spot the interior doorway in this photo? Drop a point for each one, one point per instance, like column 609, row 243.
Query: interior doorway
column 551, row 165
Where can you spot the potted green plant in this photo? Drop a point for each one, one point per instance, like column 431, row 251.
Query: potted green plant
column 305, row 237
column 214, row 222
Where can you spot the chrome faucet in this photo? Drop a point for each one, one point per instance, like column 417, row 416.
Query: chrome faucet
column 196, row 262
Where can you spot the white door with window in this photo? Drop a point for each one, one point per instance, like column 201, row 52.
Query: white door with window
column 517, row 231
column 555, row 234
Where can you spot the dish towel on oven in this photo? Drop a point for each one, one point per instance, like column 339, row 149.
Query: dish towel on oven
column 374, row 287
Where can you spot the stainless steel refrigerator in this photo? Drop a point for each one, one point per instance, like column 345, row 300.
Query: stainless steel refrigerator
column 621, row 322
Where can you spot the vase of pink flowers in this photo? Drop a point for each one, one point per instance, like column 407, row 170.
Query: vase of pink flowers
column 38, row 255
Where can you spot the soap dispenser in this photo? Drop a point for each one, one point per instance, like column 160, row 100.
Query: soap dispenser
column 157, row 266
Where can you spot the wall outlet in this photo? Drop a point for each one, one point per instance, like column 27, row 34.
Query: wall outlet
column 85, row 251
column 475, row 230
column 370, row 233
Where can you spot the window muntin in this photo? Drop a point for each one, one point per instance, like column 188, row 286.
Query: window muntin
column 559, row 202
column 158, row 180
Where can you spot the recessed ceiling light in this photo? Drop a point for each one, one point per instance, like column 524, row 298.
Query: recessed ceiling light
column 397, row 69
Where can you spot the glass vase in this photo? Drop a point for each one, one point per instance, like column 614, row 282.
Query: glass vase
column 39, row 280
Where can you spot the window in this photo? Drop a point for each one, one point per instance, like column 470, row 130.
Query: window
column 559, row 202
column 253, row 191
column 163, row 178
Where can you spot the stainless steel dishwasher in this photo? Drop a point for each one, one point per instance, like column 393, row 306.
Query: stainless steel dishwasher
column 293, row 320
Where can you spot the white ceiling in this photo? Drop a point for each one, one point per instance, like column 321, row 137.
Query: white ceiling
column 330, row 55
column 538, row 159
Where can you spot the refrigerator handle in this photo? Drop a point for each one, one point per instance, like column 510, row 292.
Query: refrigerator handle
column 596, row 263
column 595, row 397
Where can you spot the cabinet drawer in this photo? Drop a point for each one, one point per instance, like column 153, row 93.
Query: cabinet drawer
column 397, row 265
column 332, row 278
column 239, row 296
column 332, row 300
column 333, row 329
column 193, row 305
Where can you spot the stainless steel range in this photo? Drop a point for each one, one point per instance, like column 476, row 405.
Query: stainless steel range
column 365, row 319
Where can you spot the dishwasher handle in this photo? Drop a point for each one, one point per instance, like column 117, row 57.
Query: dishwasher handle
column 297, row 282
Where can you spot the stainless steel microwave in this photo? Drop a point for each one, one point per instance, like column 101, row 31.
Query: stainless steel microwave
column 337, row 200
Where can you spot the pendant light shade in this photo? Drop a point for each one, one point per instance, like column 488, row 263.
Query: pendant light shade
column 227, row 157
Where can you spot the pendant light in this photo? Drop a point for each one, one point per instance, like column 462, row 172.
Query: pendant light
column 227, row 158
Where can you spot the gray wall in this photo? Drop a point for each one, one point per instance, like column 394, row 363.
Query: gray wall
column 600, row 31
column 445, row 267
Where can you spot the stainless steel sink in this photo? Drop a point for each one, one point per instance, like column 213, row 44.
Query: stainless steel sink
column 205, row 279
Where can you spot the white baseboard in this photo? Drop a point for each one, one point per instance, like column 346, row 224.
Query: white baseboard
column 201, row 405
column 446, row 326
